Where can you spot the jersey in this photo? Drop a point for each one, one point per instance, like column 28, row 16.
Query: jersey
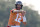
column 15, row 18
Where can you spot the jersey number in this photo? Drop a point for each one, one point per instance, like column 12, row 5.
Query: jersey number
column 18, row 19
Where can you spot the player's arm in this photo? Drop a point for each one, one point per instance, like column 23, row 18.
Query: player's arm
column 20, row 11
column 23, row 13
column 17, row 11
column 24, row 20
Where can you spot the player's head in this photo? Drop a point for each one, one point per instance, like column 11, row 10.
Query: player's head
column 18, row 5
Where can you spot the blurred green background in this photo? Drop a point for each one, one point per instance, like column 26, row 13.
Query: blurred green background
column 33, row 18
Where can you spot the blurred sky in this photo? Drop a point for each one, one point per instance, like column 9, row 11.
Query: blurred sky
column 35, row 3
